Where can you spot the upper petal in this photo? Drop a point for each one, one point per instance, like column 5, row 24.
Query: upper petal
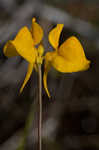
column 73, row 51
column 37, row 32
column 54, row 35
column 22, row 45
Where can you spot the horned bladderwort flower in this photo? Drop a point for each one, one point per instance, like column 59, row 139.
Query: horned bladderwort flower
column 24, row 45
column 67, row 58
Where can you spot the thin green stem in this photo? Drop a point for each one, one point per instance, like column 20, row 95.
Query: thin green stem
column 40, row 108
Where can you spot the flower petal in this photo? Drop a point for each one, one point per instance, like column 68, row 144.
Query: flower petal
column 73, row 52
column 40, row 50
column 65, row 66
column 54, row 35
column 37, row 32
column 47, row 68
column 29, row 72
column 48, row 59
column 9, row 50
column 23, row 45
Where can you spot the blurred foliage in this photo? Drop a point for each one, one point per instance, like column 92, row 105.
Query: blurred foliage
column 87, row 9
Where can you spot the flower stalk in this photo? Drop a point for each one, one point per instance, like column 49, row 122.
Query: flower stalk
column 40, row 107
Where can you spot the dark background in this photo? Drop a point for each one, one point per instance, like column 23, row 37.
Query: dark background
column 71, row 116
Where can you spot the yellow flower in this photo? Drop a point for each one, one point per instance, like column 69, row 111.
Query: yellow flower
column 67, row 58
column 24, row 45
